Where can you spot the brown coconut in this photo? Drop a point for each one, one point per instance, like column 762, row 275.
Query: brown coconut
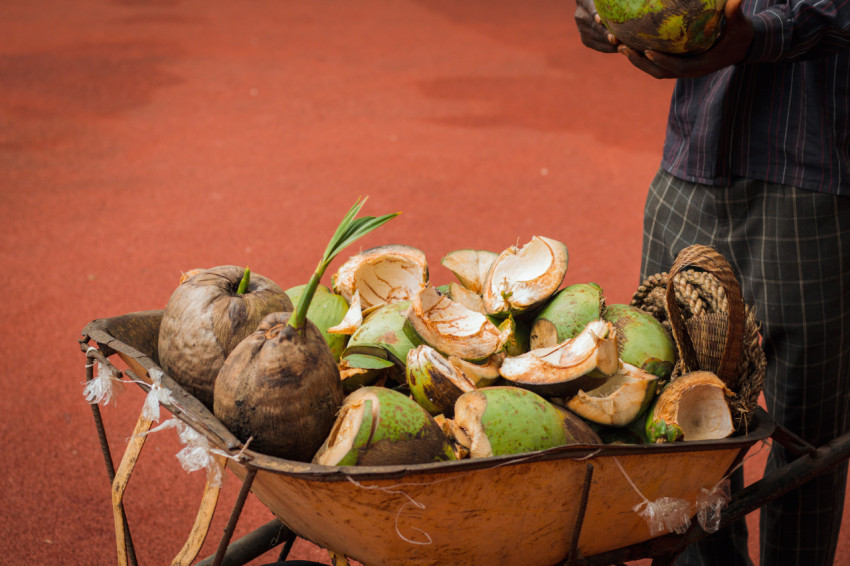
column 205, row 319
column 281, row 388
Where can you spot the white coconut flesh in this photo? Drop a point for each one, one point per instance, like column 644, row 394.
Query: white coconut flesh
column 595, row 348
column 451, row 328
column 481, row 375
column 618, row 401
column 470, row 267
column 523, row 277
column 468, row 413
column 423, row 356
column 467, row 298
column 382, row 275
column 348, row 423
column 353, row 317
column 696, row 402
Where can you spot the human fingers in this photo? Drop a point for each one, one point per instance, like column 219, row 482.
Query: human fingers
column 643, row 63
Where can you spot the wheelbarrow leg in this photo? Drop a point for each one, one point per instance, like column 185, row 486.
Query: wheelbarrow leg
column 234, row 515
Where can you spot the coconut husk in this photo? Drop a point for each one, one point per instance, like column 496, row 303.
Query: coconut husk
column 700, row 282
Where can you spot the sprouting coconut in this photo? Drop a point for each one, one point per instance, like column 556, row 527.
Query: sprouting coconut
column 507, row 420
column 619, row 400
column 281, row 386
column 583, row 362
column 452, row 329
column 382, row 427
column 470, row 267
column 642, row 339
column 566, row 314
column 670, row 26
column 382, row 275
column 523, row 278
column 434, row 382
column 691, row 407
column 326, row 311
column 208, row 314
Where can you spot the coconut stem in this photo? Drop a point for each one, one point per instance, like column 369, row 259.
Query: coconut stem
column 349, row 230
column 243, row 284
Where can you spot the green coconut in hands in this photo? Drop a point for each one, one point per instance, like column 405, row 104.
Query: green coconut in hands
column 208, row 314
column 281, row 387
column 668, row 26
column 382, row 427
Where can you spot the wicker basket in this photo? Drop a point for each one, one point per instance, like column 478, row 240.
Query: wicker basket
column 699, row 301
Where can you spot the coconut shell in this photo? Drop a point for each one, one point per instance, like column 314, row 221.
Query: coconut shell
column 584, row 362
column 281, row 388
column 382, row 427
column 523, row 278
column 205, row 319
column 566, row 314
column 384, row 274
column 434, row 382
column 669, row 26
column 694, row 406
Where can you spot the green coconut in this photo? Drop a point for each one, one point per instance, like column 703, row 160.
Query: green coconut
column 693, row 406
column 523, row 278
column 434, row 382
column 669, row 26
column 642, row 340
column 382, row 427
column 507, row 420
column 326, row 310
column 566, row 314
column 359, row 370
column 383, row 334
column 583, row 362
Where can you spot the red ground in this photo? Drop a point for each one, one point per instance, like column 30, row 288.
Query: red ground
column 143, row 138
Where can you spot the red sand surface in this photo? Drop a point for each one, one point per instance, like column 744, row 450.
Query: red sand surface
column 142, row 138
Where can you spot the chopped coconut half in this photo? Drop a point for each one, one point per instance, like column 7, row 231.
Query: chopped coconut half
column 451, row 328
column 696, row 402
column 353, row 318
column 346, row 429
column 619, row 400
column 468, row 413
column 382, row 275
column 521, row 278
column 470, row 267
column 593, row 350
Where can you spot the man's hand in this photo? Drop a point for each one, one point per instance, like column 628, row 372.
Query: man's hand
column 593, row 33
column 731, row 48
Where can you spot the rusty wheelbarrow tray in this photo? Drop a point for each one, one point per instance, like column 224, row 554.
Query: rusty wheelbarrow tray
column 570, row 505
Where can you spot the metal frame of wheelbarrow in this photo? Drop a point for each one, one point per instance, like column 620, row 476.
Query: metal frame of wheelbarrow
column 662, row 550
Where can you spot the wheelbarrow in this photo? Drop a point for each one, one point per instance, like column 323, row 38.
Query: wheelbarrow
column 571, row 505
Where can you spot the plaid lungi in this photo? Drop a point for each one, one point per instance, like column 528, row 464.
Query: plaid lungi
column 790, row 249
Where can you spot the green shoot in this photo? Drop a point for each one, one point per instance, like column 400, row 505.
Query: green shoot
column 348, row 231
column 246, row 280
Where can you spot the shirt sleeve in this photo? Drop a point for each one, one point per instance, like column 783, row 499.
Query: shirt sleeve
column 800, row 29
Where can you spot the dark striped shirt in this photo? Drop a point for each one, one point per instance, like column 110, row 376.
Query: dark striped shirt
column 783, row 115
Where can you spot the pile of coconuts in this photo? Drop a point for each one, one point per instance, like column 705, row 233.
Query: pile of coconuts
column 382, row 367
